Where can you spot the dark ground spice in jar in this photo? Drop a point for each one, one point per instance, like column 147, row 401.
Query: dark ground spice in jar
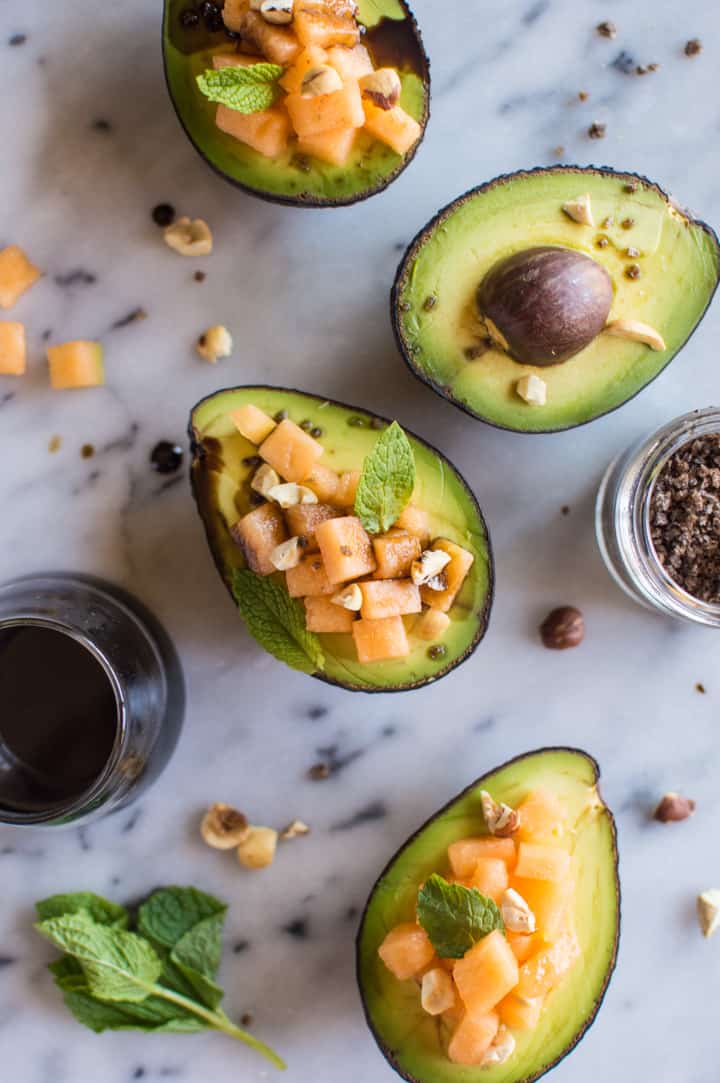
column 685, row 518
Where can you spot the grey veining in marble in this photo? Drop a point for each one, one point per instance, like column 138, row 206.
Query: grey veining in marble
column 90, row 144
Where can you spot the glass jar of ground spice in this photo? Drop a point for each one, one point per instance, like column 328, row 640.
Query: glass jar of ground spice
column 658, row 519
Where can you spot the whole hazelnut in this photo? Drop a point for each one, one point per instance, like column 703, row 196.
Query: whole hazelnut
column 563, row 628
column 674, row 808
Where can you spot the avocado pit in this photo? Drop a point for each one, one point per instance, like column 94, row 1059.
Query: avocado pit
column 547, row 303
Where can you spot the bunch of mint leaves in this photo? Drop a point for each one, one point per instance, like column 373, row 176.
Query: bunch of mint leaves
column 154, row 970
column 455, row 917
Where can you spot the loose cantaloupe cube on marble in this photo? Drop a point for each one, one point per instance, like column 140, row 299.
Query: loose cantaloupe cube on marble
column 13, row 349
column 406, row 950
column 536, row 862
column 76, row 365
column 394, row 553
column 394, row 127
column 17, row 274
column 380, row 640
column 322, row 615
column 465, row 853
column 309, row 578
column 333, row 147
column 345, row 548
column 461, row 561
column 291, row 451
column 326, row 112
column 486, row 973
column 257, row 534
column 253, row 423
column 389, row 598
column 347, row 489
column 472, row 1038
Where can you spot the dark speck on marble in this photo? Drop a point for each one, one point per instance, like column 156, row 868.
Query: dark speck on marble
column 535, row 12
column 131, row 821
column 316, row 713
column 388, row 731
column 134, row 316
column 298, row 929
column 240, row 946
column 101, row 125
column 78, row 277
column 6, row 960
column 83, row 839
column 138, row 1073
column 484, row 725
column 376, row 810
column 17, row 39
column 7, row 397
column 351, row 913
column 624, row 62
column 46, row 334
column 336, row 761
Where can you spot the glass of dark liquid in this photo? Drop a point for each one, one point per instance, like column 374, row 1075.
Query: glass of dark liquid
column 92, row 699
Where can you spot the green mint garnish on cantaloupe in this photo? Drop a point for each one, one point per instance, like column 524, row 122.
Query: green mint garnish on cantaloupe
column 455, row 917
column 250, row 89
column 152, row 970
column 387, row 481
column 276, row 621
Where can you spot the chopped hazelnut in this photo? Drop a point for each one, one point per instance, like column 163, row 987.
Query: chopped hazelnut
column 257, row 850
column 674, row 808
column 563, row 628
column 189, row 237
column 295, row 830
column 214, row 344
column 532, row 389
column 500, row 819
column 223, row 827
column 708, row 909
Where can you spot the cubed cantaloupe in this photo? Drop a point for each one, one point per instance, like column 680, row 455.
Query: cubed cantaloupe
column 542, row 818
column 345, row 547
column 13, row 349
column 323, row 481
column 380, row 640
column 76, row 364
column 302, row 519
column 17, row 274
column 544, row 970
column 464, row 854
column 333, row 147
column 431, row 625
column 234, row 11
column 253, row 423
column 394, row 553
column 291, row 451
column 486, row 973
column 309, row 58
column 321, row 615
column 549, row 901
column 325, row 24
column 520, row 1013
column 456, row 572
column 524, row 944
column 406, row 950
column 257, row 534
column 267, row 132
column 389, row 598
column 538, row 862
column 350, row 63
column 278, row 44
column 326, row 112
column 472, row 1038
column 415, row 521
column 490, row 877
column 394, row 127
column 308, row 578
column 347, row 488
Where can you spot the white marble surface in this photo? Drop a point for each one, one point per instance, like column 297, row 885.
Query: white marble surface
column 305, row 294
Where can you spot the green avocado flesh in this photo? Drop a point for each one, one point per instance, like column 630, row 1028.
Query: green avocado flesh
column 450, row 258
column 392, row 38
column 414, row 1042
column 220, row 483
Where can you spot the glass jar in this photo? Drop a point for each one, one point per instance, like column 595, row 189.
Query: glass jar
column 139, row 695
column 622, row 520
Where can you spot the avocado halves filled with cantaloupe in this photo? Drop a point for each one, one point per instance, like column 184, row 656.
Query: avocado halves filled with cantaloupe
column 354, row 550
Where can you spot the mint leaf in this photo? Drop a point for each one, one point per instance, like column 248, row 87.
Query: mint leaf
column 117, row 965
column 387, row 481
column 276, row 621
column 101, row 910
column 248, row 89
column 169, row 914
column 455, row 917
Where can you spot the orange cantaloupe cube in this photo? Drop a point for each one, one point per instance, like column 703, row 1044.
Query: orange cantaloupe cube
column 267, row 132
column 464, row 854
column 523, row 944
column 323, row 481
column 234, row 11
column 257, row 534
column 302, row 519
column 544, row 970
column 486, row 973
column 321, row 615
column 76, row 364
column 431, row 625
column 346, row 549
column 291, row 451
column 325, row 25
column 309, row 58
column 472, row 1038
column 13, row 349
column 350, row 63
column 538, row 862
column 542, row 818
column 333, row 147
column 347, row 489
column 520, row 1013
column 308, row 578
column 415, row 521
column 252, row 423
column 394, row 553
column 490, row 877
column 389, row 598
column 380, row 640
column 326, row 112
column 278, row 44
column 394, row 127
column 406, row 950
column 17, row 274
column 461, row 561
column 549, row 901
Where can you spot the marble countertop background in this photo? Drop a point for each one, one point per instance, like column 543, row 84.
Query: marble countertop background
column 90, row 145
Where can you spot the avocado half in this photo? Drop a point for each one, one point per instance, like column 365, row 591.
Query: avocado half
column 219, row 482
column 411, row 1040
column 392, row 37
column 435, row 315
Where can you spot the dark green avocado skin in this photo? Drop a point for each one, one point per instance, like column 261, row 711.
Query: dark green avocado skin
column 172, row 8
column 466, row 1075
column 202, row 452
column 423, row 234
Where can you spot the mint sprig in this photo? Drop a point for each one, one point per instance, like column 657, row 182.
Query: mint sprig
column 154, row 977
column 455, row 917
column 276, row 621
column 387, row 481
column 247, row 90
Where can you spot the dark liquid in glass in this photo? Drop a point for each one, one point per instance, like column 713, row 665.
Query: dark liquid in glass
column 58, row 718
